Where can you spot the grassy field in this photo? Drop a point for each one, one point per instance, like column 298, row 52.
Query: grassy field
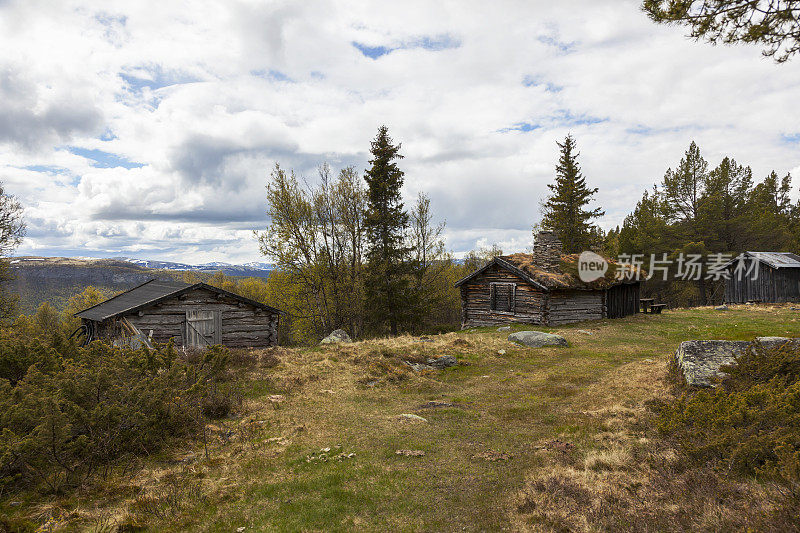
column 513, row 438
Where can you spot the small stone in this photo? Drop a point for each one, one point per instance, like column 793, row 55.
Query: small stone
column 722, row 307
column 412, row 417
column 584, row 332
column 410, row 453
column 504, row 328
column 444, row 361
column 325, row 450
column 418, row 367
column 501, row 352
column 277, row 398
column 537, row 339
column 336, row 337
column 240, row 529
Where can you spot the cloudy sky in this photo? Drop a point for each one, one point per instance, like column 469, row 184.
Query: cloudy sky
column 148, row 129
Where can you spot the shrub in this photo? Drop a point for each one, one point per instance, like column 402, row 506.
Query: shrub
column 750, row 424
column 75, row 412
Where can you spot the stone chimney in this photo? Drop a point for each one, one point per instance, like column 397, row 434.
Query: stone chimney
column 547, row 251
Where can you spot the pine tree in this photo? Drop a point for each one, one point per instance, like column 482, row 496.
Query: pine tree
column 388, row 269
column 565, row 211
column 683, row 189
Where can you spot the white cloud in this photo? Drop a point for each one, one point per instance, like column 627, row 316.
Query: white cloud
column 206, row 97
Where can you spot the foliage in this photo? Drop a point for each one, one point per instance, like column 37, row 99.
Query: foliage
column 565, row 210
column 750, row 424
column 710, row 211
column 316, row 238
column 775, row 24
column 12, row 229
column 68, row 414
column 349, row 256
column 387, row 286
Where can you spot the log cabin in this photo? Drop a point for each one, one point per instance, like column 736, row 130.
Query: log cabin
column 541, row 288
column 191, row 315
column 769, row 277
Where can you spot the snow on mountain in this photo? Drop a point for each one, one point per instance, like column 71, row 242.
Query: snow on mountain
column 253, row 268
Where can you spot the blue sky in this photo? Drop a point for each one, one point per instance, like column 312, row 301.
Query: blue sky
column 148, row 129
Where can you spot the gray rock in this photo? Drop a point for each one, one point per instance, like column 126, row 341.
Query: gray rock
column 504, row 328
column 722, row 307
column 537, row 339
column 501, row 352
column 584, row 332
column 775, row 342
column 444, row 361
column 419, row 367
column 700, row 361
column 336, row 337
column 412, row 417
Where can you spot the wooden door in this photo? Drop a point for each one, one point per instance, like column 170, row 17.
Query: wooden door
column 203, row 328
column 622, row 300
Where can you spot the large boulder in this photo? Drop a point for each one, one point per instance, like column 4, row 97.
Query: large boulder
column 336, row 337
column 537, row 339
column 700, row 361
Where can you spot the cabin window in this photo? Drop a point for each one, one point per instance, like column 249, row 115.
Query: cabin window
column 501, row 297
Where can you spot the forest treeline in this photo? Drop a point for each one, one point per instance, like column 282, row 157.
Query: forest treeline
column 699, row 209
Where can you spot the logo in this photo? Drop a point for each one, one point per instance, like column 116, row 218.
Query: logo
column 591, row 267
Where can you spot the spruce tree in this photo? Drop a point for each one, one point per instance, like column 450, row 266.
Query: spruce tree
column 565, row 210
column 388, row 268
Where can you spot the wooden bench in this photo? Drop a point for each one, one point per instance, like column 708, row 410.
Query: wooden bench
column 646, row 303
column 657, row 308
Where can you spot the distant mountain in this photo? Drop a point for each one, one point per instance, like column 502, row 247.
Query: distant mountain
column 56, row 279
column 252, row 269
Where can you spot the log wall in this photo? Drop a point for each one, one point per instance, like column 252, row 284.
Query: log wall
column 242, row 325
column 565, row 307
column 476, row 300
column 531, row 306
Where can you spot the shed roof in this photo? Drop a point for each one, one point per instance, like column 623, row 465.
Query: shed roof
column 776, row 259
column 152, row 292
column 524, row 266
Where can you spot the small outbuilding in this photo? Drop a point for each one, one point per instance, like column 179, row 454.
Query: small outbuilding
column 192, row 315
column 770, row 277
column 541, row 288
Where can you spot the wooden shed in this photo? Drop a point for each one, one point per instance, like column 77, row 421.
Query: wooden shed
column 763, row 277
column 193, row 315
column 535, row 289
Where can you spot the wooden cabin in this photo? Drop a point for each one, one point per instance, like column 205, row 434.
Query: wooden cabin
column 192, row 315
column 763, row 277
column 535, row 289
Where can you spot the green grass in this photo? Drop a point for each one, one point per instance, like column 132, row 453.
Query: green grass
column 513, row 404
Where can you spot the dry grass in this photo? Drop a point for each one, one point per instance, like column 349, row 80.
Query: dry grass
column 554, row 439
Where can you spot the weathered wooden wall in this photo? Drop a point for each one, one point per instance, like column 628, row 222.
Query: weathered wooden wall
column 535, row 306
column 242, row 325
column 770, row 285
column 623, row 300
column 565, row 307
column 475, row 300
